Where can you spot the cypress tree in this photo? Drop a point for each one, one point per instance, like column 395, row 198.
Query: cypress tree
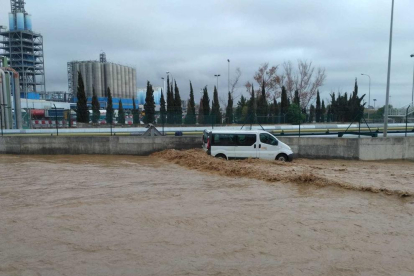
column 276, row 111
column 239, row 109
column 149, row 106
column 311, row 113
column 109, row 108
column 178, row 106
column 318, row 108
column 215, row 108
column 201, row 113
column 284, row 103
column 170, row 103
column 206, row 107
column 252, row 109
column 296, row 99
column 135, row 112
column 323, row 112
column 190, row 118
column 96, row 114
column 121, row 113
column 163, row 111
column 82, row 112
column 229, row 110
column 262, row 106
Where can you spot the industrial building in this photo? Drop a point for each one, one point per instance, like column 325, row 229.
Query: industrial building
column 121, row 80
column 24, row 49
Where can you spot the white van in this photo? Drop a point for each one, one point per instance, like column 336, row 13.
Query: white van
column 237, row 144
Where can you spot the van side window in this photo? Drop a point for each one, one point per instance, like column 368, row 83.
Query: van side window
column 246, row 139
column 268, row 139
column 224, row 140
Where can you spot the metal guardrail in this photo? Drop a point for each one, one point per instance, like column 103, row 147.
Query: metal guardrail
column 401, row 112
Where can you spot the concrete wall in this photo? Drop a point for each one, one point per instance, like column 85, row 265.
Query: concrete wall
column 123, row 145
column 386, row 148
column 307, row 147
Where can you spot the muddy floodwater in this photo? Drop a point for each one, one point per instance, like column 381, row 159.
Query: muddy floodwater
column 125, row 215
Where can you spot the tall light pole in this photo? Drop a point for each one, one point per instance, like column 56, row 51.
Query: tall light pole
column 412, row 94
column 387, row 98
column 369, row 93
column 217, row 76
column 228, row 76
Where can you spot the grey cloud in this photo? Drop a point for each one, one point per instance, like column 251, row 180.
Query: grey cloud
column 194, row 39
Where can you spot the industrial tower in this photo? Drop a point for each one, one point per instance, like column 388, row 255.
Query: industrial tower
column 24, row 49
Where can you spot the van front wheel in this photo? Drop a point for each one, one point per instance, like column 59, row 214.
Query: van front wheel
column 221, row 156
column 282, row 157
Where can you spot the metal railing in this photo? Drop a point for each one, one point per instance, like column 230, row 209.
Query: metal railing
column 401, row 112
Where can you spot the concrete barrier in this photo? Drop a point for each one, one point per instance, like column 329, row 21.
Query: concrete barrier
column 122, row 145
column 306, row 147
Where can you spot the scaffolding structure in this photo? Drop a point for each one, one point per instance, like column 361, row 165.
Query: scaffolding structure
column 24, row 49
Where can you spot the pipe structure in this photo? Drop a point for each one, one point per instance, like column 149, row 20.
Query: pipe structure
column 6, row 98
column 2, row 88
column 17, row 100
column 5, row 117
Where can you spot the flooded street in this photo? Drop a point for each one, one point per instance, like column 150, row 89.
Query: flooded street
column 126, row 215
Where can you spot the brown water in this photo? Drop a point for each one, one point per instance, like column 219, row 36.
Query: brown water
column 117, row 215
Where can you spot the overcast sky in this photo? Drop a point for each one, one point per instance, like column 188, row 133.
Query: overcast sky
column 193, row 40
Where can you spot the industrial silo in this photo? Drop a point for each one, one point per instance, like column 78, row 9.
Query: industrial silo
column 103, row 79
column 28, row 22
column 113, row 77
column 131, row 83
column 119, row 79
column 11, row 22
column 97, row 80
column 20, row 21
column 82, row 66
column 122, row 94
column 127, row 90
column 89, row 81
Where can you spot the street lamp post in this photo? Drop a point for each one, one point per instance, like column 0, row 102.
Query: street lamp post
column 388, row 74
column 369, row 92
column 412, row 94
column 217, row 76
column 228, row 76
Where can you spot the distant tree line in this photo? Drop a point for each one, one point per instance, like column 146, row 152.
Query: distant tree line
column 260, row 108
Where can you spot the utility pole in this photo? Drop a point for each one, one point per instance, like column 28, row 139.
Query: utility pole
column 387, row 98
column 217, row 76
column 228, row 76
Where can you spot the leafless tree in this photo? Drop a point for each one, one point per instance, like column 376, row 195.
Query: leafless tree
column 235, row 80
column 270, row 78
column 306, row 79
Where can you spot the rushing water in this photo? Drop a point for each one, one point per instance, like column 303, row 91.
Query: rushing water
column 125, row 215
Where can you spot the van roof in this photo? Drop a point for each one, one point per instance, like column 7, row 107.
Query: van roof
column 237, row 131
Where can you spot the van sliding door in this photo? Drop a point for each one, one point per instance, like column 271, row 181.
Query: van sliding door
column 246, row 146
